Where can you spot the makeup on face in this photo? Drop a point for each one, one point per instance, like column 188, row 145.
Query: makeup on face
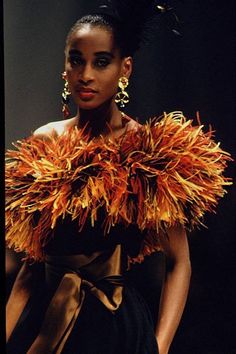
column 93, row 67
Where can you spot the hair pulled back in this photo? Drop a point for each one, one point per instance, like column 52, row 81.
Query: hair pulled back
column 128, row 20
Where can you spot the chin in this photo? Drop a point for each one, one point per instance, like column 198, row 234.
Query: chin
column 90, row 105
column 87, row 104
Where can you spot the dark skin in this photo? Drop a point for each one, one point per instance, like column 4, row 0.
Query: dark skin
column 94, row 63
column 82, row 69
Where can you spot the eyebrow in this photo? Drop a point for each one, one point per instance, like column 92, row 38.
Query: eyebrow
column 75, row 51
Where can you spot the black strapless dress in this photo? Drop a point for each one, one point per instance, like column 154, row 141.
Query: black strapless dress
column 96, row 330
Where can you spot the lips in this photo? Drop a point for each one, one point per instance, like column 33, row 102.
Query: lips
column 86, row 93
column 85, row 89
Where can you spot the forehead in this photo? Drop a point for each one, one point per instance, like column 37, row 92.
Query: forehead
column 90, row 39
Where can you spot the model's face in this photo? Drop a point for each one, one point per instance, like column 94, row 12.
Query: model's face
column 93, row 66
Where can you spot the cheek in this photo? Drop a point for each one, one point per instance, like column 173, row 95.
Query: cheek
column 68, row 76
column 110, row 82
column 70, row 73
column 72, row 79
column 110, row 87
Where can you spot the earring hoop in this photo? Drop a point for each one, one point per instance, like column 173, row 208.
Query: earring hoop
column 65, row 97
column 122, row 97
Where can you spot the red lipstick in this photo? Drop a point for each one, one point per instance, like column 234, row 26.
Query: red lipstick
column 86, row 93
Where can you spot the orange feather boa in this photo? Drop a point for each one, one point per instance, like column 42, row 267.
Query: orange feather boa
column 166, row 172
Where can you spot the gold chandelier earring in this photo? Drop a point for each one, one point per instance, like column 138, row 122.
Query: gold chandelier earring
column 122, row 97
column 65, row 97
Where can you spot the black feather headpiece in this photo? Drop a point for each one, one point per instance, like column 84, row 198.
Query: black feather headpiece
column 132, row 21
column 137, row 18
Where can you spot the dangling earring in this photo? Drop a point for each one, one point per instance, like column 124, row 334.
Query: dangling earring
column 65, row 97
column 122, row 97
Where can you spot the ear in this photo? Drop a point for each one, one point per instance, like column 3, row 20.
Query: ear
column 127, row 66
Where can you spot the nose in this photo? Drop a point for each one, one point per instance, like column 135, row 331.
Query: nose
column 86, row 74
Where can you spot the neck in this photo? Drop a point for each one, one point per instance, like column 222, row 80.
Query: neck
column 101, row 120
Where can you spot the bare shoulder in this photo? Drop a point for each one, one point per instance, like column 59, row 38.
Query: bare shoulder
column 57, row 127
column 133, row 124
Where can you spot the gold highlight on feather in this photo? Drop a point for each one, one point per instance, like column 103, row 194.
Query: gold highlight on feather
column 166, row 172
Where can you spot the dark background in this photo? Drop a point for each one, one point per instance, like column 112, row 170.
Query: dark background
column 192, row 72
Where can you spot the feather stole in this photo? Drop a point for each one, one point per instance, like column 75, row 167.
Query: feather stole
column 166, row 172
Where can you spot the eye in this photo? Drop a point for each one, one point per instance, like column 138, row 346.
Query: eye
column 102, row 62
column 76, row 60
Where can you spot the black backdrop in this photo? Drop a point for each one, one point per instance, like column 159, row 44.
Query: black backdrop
column 194, row 72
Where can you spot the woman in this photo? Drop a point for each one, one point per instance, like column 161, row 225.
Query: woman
column 86, row 209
